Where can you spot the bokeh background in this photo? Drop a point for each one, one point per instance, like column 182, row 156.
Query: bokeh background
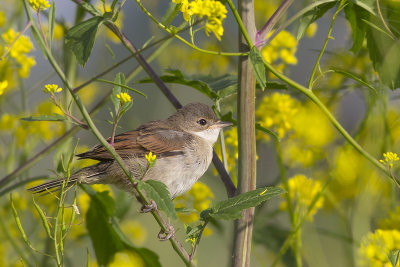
column 340, row 229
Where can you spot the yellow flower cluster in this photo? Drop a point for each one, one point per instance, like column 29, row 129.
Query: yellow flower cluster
column 214, row 11
column 281, row 50
column 393, row 222
column 199, row 197
column 302, row 191
column 17, row 46
column 389, row 159
column 52, row 88
column 124, row 98
column 39, row 4
column 376, row 246
column 150, row 158
column 276, row 112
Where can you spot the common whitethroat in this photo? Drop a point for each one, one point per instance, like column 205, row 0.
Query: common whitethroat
column 182, row 144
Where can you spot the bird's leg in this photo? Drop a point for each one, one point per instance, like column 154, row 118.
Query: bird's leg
column 166, row 235
column 148, row 208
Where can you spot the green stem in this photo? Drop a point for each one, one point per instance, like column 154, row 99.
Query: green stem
column 316, row 65
column 242, row 28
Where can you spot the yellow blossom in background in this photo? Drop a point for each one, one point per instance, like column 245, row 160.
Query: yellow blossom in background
column 311, row 30
column 199, row 197
column 302, row 191
column 389, row 159
column 7, row 122
column 281, row 49
column 52, row 88
column 125, row 258
column 277, row 112
column 135, row 231
column 84, row 199
column 3, row 86
column 393, row 222
column 2, row 18
column 59, row 32
column 375, row 247
column 39, row 4
column 124, row 98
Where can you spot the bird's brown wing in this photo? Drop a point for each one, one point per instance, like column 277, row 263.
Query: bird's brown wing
column 162, row 142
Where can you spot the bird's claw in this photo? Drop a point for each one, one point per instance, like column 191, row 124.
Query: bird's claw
column 166, row 235
column 149, row 208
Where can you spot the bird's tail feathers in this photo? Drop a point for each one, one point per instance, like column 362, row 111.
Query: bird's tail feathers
column 53, row 186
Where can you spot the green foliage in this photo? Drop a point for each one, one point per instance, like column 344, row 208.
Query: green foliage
column 394, row 257
column 52, row 117
column 158, row 192
column 81, row 37
column 230, row 209
column 52, row 20
column 104, row 231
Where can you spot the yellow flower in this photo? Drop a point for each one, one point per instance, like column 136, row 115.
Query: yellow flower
column 2, row 18
column 277, row 113
column 389, row 159
column 311, row 29
column 150, row 158
column 52, row 88
column 199, row 197
column 124, row 98
column 136, row 232
column 3, row 86
column 376, row 246
column 7, row 122
column 39, row 4
column 58, row 33
column 393, row 222
column 302, row 191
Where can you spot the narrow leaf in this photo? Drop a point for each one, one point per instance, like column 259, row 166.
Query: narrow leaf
column 231, row 208
column 158, row 192
column 52, row 117
column 123, row 86
column 258, row 66
column 355, row 78
column 81, row 37
column 394, row 257
column 42, row 217
column 52, row 19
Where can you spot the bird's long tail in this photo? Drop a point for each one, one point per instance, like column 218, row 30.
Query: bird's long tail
column 53, row 186
column 87, row 175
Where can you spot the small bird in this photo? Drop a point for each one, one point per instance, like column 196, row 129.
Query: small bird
column 182, row 144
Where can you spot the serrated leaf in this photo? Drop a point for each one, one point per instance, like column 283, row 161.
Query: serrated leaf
column 158, row 192
column 81, row 37
column 52, row 19
column 258, row 66
column 52, row 117
column 394, row 257
column 231, row 208
column 312, row 15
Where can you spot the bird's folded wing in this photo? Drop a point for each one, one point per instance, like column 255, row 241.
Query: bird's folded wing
column 161, row 142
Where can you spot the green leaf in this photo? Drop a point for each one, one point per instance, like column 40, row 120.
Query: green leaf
column 123, row 86
column 385, row 56
column 52, row 117
column 354, row 77
column 315, row 13
column 394, row 257
column 119, row 78
column 258, row 66
column 231, row 208
column 52, row 19
column 354, row 15
column 158, row 192
column 80, row 38
column 172, row 11
column 105, row 233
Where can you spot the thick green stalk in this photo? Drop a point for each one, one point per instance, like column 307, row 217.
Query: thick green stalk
column 243, row 230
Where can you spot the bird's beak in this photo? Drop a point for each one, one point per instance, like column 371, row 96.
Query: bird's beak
column 222, row 124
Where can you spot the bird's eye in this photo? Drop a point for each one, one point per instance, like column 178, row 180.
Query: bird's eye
column 202, row 122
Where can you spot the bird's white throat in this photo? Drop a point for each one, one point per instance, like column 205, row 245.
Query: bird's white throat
column 210, row 135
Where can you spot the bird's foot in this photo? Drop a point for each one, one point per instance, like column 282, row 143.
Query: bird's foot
column 148, row 208
column 166, row 235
